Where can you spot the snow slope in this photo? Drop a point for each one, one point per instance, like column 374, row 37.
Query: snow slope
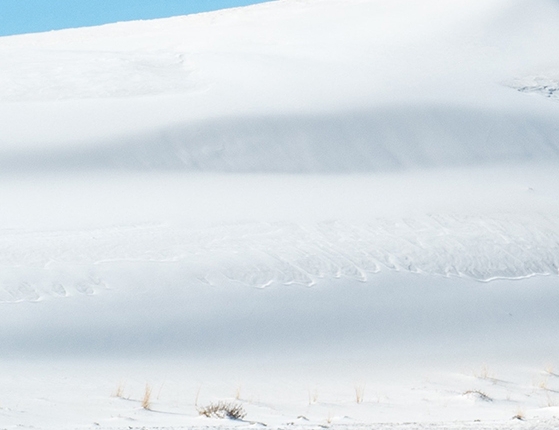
column 278, row 87
column 284, row 205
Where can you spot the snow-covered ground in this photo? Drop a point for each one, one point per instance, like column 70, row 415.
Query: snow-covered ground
column 335, row 213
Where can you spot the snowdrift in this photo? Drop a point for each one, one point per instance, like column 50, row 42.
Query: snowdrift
column 316, row 199
column 380, row 140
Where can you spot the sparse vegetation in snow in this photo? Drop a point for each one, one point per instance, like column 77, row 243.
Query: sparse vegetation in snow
column 222, row 410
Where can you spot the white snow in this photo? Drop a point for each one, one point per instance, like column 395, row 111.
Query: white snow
column 289, row 206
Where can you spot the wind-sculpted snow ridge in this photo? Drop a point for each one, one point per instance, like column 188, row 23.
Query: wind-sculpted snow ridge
column 377, row 140
column 264, row 254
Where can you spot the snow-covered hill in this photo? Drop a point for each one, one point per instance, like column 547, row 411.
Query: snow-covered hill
column 300, row 198
column 288, row 87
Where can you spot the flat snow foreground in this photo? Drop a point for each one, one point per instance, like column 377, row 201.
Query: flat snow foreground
column 316, row 213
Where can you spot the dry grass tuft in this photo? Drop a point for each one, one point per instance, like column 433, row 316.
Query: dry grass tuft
column 484, row 373
column 551, row 401
column 359, row 393
column 313, row 396
column 543, row 384
column 119, row 391
column 146, row 401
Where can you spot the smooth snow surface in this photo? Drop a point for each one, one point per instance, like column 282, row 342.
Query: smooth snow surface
column 336, row 213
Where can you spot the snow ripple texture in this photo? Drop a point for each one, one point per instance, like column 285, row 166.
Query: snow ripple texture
column 262, row 254
column 59, row 75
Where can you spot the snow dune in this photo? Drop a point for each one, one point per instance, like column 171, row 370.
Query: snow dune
column 307, row 199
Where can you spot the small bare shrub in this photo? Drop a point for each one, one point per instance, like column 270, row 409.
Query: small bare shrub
column 233, row 411
column 479, row 394
column 519, row 415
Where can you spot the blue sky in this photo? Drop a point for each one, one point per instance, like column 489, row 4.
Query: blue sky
column 30, row 16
